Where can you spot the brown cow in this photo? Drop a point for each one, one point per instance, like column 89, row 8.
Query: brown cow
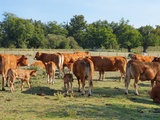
column 141, row 71
column 50, row 70
column 83, row 69
column 46, row 57
column 8, row 61
column 155, row 94
column 70, row 58
column 114, row 63
column 68, row 79
column 143, row 58
column 23, row 75
column 38, row 64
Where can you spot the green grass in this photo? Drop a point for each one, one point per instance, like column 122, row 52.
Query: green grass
column 49, row 102
column 108, row 101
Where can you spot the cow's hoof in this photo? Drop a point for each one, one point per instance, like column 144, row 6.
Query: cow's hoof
column 3, row 89
column 126, row 93
column 89, row 95
column 6, row 85
column 82, row 94
column 79, row 91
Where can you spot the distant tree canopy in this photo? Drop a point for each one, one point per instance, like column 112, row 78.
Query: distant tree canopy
column 16, row 32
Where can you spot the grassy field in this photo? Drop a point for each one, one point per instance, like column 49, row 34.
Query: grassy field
column 49, row 102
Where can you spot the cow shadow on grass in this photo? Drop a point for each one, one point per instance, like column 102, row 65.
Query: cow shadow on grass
column 41, row 91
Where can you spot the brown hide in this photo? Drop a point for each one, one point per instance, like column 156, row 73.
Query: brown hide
column 103, row 63
column 46, row 57
column 72, row 57
column 143, row 58
column 23, row 75
column 141, row 71
column 39, row 64
column 155, row 94
column 68, row 79
column 8, row 61
column 83, row 69
column 50, row 70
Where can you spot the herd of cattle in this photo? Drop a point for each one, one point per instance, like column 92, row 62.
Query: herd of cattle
column 82, row 65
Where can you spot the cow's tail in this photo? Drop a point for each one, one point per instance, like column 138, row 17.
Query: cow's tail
column 91, row 70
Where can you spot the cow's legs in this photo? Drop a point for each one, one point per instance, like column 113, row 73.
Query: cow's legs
column 127, row 82
column 3, row 79
column 102, row 75
column 123, row 74
column 22, row 83
column 48, row 79
column 28, row 84
column 99, row 75
column 51, row 80
column 89, row 87
column 7, row 82
column 79, row 85
column 135, row 85
column 71, row 87
column 152, row 83
column 83, row 86
column 67, row 87
column 11, row 86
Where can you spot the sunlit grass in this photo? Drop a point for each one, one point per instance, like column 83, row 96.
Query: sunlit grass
column 48, row 102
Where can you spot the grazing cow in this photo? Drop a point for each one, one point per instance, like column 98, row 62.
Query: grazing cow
column 114, row 63
column 50, row 70
column 143, row 58
column 70, row 58
column 23, row 75
column 83, row 69
column 141, row 71
column 155, row 93
column 68, row 79
column 8, row 61
column 39, row 64
column 46, row 57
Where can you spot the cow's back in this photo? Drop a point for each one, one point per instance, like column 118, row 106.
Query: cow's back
column 83, row 68
column 114, row 63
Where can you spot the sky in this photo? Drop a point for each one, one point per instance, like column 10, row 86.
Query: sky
column 138, row 12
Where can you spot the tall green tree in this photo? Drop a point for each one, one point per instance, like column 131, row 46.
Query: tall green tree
column 57, row 29
column 99, row 35
column 77, row 29
column 38, row 39
column 149, row 38
column 16, row 31
column 129, row 37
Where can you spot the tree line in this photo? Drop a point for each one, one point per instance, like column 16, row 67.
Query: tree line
column 16, row 32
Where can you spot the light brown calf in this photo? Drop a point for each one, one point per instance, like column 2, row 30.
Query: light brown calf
column 23, row 75
column 50, row 70
column 39, row 64
column 68, row 79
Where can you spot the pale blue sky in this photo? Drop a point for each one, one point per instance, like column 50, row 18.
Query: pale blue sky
column 138, row 12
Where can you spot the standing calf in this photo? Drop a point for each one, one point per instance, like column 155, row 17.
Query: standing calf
column 68, row 79
column 50, row 70
column 23, row 75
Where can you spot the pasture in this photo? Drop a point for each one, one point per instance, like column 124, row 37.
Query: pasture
column 49, row 102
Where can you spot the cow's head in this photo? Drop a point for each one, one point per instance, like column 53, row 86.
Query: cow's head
column 156, row 59
column 33, row 73
column 37, row 56
column 23, row 61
